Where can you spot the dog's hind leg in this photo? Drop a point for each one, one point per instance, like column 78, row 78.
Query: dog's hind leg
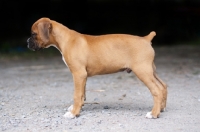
column 164, row 101
column 164, row 90
column 84, row 96
column 145, row 72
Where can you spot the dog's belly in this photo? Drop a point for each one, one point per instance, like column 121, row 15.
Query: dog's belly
column 105, row 68
column 101, row 71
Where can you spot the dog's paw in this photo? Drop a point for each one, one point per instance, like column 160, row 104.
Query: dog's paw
column 149, row 115
column 70, row 108
column 163, row 110
column 69, row 115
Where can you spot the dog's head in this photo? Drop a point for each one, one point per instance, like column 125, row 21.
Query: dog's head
column 40, row 34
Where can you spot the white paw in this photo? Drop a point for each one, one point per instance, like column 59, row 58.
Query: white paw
column 69, row 115
column 70, row 108
column 149, row 115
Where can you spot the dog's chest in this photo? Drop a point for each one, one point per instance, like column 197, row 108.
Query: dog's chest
column 64, row 61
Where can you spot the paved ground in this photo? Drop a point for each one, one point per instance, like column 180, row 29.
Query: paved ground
column 35, row 93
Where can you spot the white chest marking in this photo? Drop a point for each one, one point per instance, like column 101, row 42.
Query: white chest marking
column 60, row 52
column 64, row 61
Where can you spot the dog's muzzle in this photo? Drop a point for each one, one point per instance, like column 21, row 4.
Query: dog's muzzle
column 32, row 45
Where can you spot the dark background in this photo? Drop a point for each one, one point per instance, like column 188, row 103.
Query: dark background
column 175, row 21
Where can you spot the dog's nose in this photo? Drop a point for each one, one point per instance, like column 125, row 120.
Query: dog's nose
column 28, row 40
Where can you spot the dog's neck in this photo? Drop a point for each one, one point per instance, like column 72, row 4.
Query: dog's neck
column 56, row 41
column 62, row 33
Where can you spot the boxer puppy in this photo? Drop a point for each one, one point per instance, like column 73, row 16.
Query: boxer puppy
column 88, row 55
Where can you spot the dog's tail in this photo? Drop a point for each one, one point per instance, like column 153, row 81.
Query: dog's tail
column 150, row 36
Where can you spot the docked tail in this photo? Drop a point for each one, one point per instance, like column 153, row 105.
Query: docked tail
column 150, row 36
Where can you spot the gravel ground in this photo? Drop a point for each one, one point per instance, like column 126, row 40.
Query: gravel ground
column 35, row 93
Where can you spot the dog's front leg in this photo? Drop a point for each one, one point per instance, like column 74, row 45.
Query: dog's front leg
column 79, row 94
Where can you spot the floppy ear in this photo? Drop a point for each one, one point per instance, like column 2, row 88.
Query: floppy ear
column 44, row 28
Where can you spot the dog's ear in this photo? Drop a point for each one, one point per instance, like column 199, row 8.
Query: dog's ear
column 44, row 28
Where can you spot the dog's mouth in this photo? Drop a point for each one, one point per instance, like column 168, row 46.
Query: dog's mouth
column 32, row 45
